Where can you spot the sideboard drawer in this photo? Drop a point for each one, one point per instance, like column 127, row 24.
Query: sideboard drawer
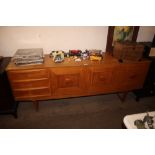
column 31, row 84
column 23, row 93
column 28, row 74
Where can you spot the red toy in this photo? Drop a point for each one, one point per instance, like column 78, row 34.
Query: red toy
column 75, row 52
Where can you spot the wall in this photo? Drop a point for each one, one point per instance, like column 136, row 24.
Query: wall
column 52, row 38
column 146, row 33
column 55, row 38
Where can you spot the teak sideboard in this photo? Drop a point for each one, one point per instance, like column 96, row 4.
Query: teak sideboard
column 72, row 79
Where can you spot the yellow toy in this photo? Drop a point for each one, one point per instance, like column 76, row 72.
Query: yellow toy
column 58, row 56
column 95, row 58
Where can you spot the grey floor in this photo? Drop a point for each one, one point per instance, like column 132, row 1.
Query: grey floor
column 94, row 112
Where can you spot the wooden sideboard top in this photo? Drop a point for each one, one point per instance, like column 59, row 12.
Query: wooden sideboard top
column 69, row 62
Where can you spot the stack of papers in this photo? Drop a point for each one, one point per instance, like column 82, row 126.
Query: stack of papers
column 28, row 56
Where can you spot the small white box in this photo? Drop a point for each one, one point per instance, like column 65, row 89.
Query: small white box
column 152, row 52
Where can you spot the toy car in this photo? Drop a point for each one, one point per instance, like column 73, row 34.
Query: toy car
column 75, row 52
column 58, row 56
column 95, row 58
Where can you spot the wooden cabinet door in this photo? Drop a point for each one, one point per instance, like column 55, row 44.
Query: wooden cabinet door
column 130, row 76
column 68, row 81
column 102, row 79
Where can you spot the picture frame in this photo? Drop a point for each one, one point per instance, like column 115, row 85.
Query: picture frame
column 110, row 36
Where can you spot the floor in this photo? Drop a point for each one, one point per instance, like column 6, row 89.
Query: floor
column 94, row 112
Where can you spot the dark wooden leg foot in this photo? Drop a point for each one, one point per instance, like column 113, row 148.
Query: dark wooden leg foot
column 36, row 105
column 123, row 96
column 15, row 110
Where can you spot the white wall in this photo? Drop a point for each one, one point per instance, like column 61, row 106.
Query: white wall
column 59, row 38
column 52, row 38
column 146, row 33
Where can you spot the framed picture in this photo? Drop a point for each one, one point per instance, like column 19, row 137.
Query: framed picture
column 120, row 33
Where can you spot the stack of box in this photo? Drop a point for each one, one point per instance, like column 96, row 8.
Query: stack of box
column 28, row 56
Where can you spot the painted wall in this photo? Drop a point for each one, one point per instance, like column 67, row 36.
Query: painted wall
column 52, row 38
column 146, row 33
column 55, row 38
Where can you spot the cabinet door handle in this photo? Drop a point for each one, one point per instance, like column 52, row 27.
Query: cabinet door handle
column 67, row 80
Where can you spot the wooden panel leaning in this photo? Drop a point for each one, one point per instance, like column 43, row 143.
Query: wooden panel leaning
column 128, row 51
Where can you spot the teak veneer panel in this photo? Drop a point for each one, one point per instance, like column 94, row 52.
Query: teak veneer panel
column 68, row 81
column 102, row 78
column 71, row 79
